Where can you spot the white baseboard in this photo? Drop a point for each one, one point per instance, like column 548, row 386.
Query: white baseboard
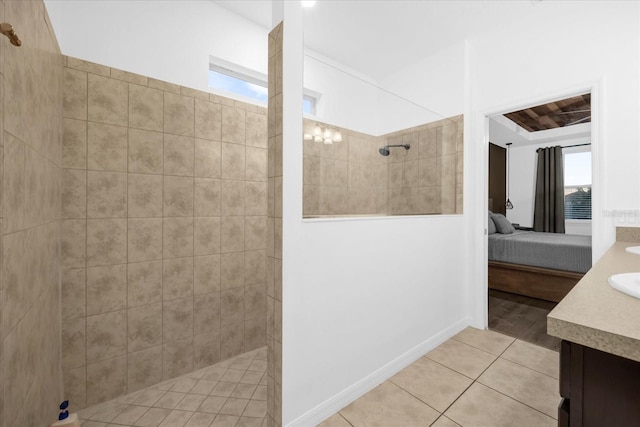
column 348, row 395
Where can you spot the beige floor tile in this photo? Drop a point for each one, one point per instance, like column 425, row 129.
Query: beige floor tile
column 200, row 419
column 489, row 341
column 525, row 385
column 462, row 358
column 483, row 407
column 130, row 415
column 535, row 357
column 153, row 417
column 335, row 420
column 444, row 422
column 176, row 418
column 389, row 405
column 225, row 421
column 434, row 384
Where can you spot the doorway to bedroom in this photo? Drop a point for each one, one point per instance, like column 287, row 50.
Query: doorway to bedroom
column 539, row 219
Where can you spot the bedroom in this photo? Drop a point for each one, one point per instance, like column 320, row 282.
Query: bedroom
column 543, row 246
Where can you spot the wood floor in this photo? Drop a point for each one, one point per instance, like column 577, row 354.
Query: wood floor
column 521, row 317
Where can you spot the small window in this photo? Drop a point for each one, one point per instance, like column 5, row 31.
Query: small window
column 249, row 85
column 238, row 86
column 577, row 186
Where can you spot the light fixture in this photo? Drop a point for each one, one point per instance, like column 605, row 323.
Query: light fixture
column 308, row 3
column 508, row 203
column 324, row 134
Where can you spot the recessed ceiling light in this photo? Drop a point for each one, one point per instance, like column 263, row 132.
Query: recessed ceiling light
column 308, row 3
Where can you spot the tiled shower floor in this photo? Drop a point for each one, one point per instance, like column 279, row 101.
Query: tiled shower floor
column 232, row 393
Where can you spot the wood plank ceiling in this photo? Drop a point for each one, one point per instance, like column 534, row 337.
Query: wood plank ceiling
column 566, row 112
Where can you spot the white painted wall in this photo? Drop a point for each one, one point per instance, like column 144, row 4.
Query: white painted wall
column 577, row 45
column 434, row 83
column 167, row 40
column 362, row 298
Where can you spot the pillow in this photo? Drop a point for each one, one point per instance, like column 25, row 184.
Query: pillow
column 502, row 224
column 492, row 226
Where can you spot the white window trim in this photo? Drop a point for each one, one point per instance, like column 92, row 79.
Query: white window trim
column 252, row 76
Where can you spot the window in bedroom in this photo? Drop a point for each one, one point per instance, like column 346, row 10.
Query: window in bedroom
column 577, row 186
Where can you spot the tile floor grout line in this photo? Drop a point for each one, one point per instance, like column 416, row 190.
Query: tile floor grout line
column 474, row 380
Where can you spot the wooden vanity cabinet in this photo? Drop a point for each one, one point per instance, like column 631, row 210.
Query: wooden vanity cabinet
column 599, row 389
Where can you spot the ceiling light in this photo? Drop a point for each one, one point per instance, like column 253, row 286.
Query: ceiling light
column 308, row 3
column 317, row 130
column 308, row 137
column 337, row 137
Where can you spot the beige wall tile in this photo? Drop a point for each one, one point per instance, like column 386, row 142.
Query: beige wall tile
column 74, row 343
column 255, row 301
column 74, row 193
column 208, row 117
column 108, row 99
column 144, row 368
column 106, row 241
column 73, row 246
column 106, row 380
column 206, row 349
column 144, row 239
column 232, row 270
column 207, row 197
column 233, row 197
column 144, row 327
column 233, row 125
column 206, row 272
column 13, row 184
column 106, row 289
column 145, row 195
column 256, row 130
column 177, row 320
column 254, row 334
column 146, row 151
column 207, row 158
column 90, row 67
column 74, row 144
column 145, row 108
column 206, row 235
column 106, row 194
column 256, row 164
column 177, row 237
column 75, row 387
column 144, row 283
column 232, row 305
column 75, row 94
column 255, row 232
column 206, row 312
column 178, row 114
column 178, row 155
column 311, row 170
column 232, row 234
column 231, row 340
column 73, row 293
column 106, row 147
column 255, row 267
column 233, row 161
column 255, row 198
column 177, row 279
column 178, row 196
column 106, row 336
column 177, row 358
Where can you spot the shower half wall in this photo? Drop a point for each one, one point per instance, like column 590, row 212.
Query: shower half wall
column 164, row 218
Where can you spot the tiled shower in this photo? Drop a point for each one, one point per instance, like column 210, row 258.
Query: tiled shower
column 164, row 207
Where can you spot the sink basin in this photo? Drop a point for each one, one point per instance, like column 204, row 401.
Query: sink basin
column 633, row 250
column 629, row 283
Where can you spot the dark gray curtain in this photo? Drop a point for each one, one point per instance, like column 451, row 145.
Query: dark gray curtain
column 548, row 214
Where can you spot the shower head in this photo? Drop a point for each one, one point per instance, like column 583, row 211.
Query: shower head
column 384, row 151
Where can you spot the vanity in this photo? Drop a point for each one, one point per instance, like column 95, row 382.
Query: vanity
column 600, row 351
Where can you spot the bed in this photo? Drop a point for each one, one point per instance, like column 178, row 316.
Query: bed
column 539, row 265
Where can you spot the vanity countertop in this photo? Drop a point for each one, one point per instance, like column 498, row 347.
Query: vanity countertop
column 596, row 315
